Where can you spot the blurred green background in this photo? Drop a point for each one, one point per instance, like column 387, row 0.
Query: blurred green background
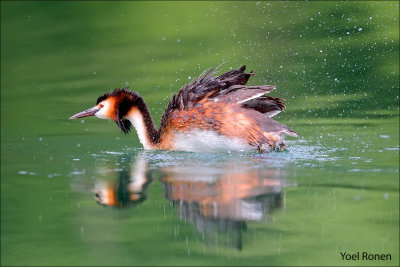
column 336, row 63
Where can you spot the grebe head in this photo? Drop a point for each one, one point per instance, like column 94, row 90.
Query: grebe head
column 114, row 106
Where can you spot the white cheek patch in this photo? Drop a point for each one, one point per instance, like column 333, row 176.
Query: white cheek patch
column 101, row 114
column 104, row 111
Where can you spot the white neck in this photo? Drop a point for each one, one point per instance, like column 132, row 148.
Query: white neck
column 136, row 118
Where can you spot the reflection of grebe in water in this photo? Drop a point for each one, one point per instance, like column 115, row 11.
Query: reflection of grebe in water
column 217, row 200
column 233, row 194
column 127, row 190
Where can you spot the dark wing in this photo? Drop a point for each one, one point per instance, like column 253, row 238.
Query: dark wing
column 267, row 105
column 206, row 86
column 229, row 88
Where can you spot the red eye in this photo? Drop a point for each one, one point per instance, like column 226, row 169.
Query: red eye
column 101, row 105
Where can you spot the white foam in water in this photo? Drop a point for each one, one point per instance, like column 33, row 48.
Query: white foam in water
column 112, row 152
column 301, row 152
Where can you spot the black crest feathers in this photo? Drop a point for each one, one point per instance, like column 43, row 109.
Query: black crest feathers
column 124, row 99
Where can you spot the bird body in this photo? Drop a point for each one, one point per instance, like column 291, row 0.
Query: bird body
column 210, row 114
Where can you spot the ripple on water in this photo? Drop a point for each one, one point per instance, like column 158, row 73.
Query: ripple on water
column 299, row 152
column 26, row 173
column 112, row 152
column 392, row 148
column 364, row 170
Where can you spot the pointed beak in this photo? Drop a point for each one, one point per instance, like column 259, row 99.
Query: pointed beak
column 85, row 113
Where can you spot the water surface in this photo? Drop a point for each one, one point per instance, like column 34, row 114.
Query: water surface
column 82, row 193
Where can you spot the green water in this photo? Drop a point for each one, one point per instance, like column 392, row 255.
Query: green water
column 335, row 190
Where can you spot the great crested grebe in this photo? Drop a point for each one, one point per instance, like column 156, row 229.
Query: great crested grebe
column 210, row 114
